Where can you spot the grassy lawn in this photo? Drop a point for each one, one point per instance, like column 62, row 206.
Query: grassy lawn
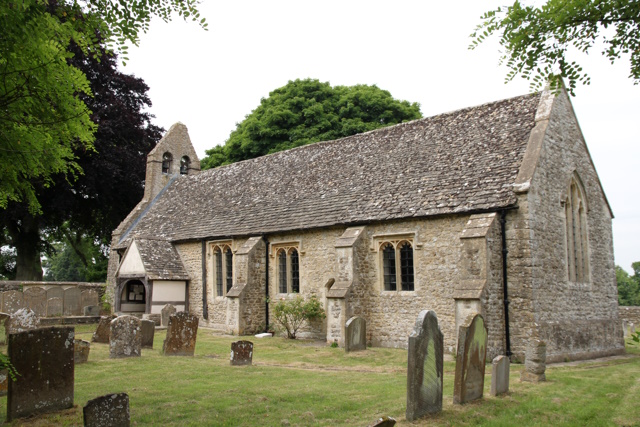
column 303, row 383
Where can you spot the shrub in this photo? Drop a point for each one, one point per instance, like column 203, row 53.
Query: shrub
column 292, row 314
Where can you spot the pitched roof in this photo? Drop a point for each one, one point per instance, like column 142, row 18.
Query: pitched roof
column 161, row 260
column 462, row 161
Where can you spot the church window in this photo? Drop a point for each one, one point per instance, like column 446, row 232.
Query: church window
column 222, row 267
column 288, row 270
column 184, row 165
column 167, row 158
column 397, row 265
column 228, row 256
column 575, row 212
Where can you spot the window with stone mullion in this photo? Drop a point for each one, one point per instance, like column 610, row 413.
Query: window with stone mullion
column 389, row 267
column 295, row 272
column 218, row 260
column 282, row 272
column 229, row 264
column 406, row 267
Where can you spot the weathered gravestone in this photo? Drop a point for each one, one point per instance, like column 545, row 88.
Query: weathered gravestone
column 155, row 317
column 81, row 351
column 241, row 353
column 148, row 328
column 55, row 292
column 103, row 331
column 111, row 410
column 470, row 360
column 384, row 422
column 166, row 312
column 535, row 362
column 355, row 337
column 91, row 310
column 22, row 320
column 125, row 338
column 54, row 307
column 44, row 359
column 71, row 303
column 35, row 298
column 181, row 335
column 625, row 329
column 12, row 301
column 499, row 375
column 424, row 367
column 4, row 324
column 90, row 297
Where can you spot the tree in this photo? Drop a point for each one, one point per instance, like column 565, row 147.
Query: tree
column 306, row 111
column 538, row 42
column 43, row 119
column 628, row 286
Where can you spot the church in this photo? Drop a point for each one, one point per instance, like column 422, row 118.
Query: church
column 495, row 209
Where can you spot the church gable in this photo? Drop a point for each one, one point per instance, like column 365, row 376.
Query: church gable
column 155, row 259
column 132, row 264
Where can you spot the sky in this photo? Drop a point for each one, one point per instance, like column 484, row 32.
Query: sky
column 415, row 49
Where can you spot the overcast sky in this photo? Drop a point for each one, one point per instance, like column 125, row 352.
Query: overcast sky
column 415, row 49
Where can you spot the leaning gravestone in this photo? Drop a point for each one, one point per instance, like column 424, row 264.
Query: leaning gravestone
column 181, row 335
column 125, row 338
column 535, row 362
column 355, row 337
column 44, row 359
column 81, row 351
column 107, row 411
column 470, row 360
column 89, row 297
column 499, row 375
column 71, row 302
column 22, row 320
column 167, row 311
column 241, row 353
column 54, row 307
column 424, row 367
column 103, row 331
column 148, row 328
column 35, row 298
column 384, row 422
column 12, row 301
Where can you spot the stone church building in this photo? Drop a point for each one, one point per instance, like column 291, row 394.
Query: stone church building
column 495, row 209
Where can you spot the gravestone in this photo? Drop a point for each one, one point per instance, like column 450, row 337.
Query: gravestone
column 155, row 317
column 148, row 328
column 181, row 335
column 241, row 353
column 44, row 359
column 12, row 301
column 4, row 323
column 103, row 331
column 71, row 302
column 81, row 351
column 499, row 375
column 91, row 310
column 632, row 328
column 625, row 329
column 470, row 360
column 535, row 362
column 54, row 307
column 89, row 297
column 35, row 298
column 125, row 338
column 355, row 334
column 22, row 320
column 107, row 411
column 384, row 422
column 425, row 367
column 167, row 311
column 55, row 292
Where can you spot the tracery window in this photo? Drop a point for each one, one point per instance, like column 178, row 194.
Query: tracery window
column 167, row 158
column 184, row 165
column 288, row 270
column 575, row 211
column 222, row 267
column 397, row 265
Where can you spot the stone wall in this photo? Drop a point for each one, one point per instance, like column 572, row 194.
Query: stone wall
column 630, row 314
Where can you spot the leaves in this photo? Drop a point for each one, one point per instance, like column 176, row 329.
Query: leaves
column 293, row 314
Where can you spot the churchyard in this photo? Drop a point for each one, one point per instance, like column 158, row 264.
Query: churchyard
column 299, row 382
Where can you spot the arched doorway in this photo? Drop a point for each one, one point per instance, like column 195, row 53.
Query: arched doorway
column 133, row 297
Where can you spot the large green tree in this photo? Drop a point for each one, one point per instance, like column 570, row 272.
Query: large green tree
column 540, row 42
column 43, row 119
column 306, row 111
column 628, row 286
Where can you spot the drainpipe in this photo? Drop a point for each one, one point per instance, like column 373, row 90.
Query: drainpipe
column 266, row 284
column 503, row 222
column 205, row 309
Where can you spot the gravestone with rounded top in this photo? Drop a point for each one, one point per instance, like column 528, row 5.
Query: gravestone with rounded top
column 35, row 298
column 470, row 360
column 103, row 331
column 81, row 351
column 499, row 375
column 167, row 311
column 107, row 411
column 535, row 362
column 55, row 292
column 12, row 301
column 44, row 359
column 241, row 353
column 148, row 330
column 355, row 337
column 181, row 335
column 125, row 338
column 54, row 307
column 71, row 303
column 425, row 367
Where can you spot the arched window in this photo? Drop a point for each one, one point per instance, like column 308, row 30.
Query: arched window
column 575, row 211
column 184, row 165
column 288, row 270
column 389, row 267
column 228, row 256
column 406, row 266
column 397, row 265
column 167, row 158
column 222, row 267
column 282, row 271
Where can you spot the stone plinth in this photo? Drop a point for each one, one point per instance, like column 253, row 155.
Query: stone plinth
column 535, row 362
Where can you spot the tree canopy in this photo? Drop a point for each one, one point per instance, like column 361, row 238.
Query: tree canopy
column 306, row 111
column 628, row 286
column 539, row 42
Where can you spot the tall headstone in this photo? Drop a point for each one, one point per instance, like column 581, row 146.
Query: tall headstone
column 535, row 362
column 499, row 375
column 107, row 411
column 425, row 367
column 54, row 307
column 12, row 301
column 241, row 353
column 44, row 359
column 148, row 328
column 71, row 303
column 470, row 360
column 166, row 312
column 35, row 298
column 125, row 337
column 103, row 331
column 89, row 297
column 181, row 335
column 355, row 334
column 22, row 320
column 81, row 351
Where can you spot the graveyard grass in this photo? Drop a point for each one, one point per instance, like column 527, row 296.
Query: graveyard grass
column 308, row 383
